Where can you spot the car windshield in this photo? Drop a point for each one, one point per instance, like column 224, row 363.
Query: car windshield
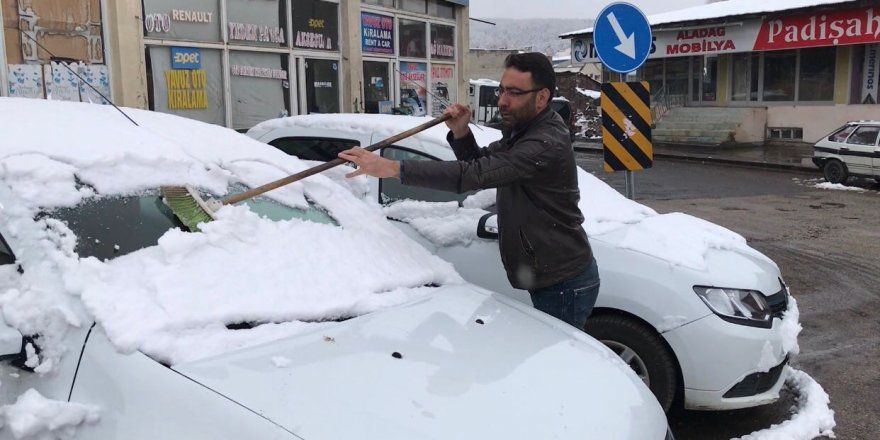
column 109, row 227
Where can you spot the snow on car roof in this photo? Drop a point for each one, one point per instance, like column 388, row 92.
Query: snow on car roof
column 173, row 300
column 382, row 126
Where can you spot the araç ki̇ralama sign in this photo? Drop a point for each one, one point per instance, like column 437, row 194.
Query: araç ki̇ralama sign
column 822, row 28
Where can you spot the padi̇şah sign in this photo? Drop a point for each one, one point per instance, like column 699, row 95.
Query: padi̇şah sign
column 859, row 25
column 377, row 33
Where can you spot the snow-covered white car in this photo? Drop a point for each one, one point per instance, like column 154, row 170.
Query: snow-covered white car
column 300, row 315
column 702, row 317
column 851, row 150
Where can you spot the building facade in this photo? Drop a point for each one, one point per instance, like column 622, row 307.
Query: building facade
column 804, row 68
column 239, row 62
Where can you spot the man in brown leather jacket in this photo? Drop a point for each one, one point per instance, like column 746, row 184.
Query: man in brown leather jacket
column 543, row 246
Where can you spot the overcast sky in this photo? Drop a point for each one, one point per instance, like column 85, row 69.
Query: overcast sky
column 566, row 8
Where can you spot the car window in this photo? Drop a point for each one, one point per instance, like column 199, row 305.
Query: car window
column 6, row 255
column 391, row 189
column 110, row 227
column 864, row 135
column 841, row 134
column 313, row 148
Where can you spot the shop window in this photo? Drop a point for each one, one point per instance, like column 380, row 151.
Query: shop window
column 412, row 39
column 443, row 87
column 72, row 36
column 385, row 3
column 785, row 133
column 865, row 77
column 442, row 42
column 260, row 86
column 779, row 75
column 652, row 71
column 417, row 6
column 413, row 88
column 704, row 78
column 192, row 90
column 744, row 77
column 441, row 9
column 262, row 23
column 197, row 21
column 313, row 148
column 315, row 25
column 322, row 86
column 377, row 90
column 677, row 77
column 816, row 79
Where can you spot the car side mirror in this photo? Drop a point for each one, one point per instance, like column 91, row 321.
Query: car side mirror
column 487, row 227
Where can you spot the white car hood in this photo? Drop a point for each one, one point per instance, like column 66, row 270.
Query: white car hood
column 428, row 369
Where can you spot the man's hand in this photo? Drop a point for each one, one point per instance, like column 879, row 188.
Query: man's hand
column 461, row 117
column 370, row 164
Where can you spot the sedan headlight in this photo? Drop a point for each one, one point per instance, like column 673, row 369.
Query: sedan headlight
column 746, row 307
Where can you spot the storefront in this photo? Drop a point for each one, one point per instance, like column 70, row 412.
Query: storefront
column 44, row 45
column 811, row 67
column 278, row 57
column 410, row 55
column 239, row 62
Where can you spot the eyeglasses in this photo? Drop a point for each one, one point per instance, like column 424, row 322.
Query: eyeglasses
column 513, row 92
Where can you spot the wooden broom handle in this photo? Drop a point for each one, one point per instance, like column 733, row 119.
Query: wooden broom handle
column 235, row 198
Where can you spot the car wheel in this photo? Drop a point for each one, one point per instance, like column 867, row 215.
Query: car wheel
column 835, row 171
column 642, row 349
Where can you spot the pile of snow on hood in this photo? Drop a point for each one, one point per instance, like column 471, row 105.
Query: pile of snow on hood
column 174, row 300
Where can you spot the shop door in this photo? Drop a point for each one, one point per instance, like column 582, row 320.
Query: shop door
column 377, row 87
column 704, row 79
column 321, row 85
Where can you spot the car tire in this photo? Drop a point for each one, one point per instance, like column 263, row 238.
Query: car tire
column 835, row 171
column 642, row 349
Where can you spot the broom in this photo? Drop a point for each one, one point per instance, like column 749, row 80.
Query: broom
column 191, row 209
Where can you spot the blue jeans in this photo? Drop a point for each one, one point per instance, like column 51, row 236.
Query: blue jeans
column 572, row 300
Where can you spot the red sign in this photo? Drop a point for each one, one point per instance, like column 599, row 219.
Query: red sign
column 822, row 28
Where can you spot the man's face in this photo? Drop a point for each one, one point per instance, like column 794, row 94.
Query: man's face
column 517, row 109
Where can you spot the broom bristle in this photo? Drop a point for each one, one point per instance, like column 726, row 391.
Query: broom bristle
column 183, row 203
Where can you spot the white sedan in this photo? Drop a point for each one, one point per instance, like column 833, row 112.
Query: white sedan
column 700, row 316
column 301, row 315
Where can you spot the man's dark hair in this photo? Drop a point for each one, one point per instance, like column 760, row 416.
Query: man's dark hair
column 538, row 65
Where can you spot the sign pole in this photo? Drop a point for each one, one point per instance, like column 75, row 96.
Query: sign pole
column 629, row 179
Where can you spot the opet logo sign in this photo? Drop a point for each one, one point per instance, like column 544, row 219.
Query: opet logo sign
column 186, row 58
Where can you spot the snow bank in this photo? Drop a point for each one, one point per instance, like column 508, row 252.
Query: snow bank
column 838, row 187
column 33, row 416
column 589, row 93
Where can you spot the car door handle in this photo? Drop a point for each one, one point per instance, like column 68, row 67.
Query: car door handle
column 844, row 148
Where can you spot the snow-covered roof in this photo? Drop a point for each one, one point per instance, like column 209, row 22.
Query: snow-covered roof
column 589, row 93
column 728, row 8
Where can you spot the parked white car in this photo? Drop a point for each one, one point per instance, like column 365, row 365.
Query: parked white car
column 851, row 150
column 699, row 315
column 301, row 315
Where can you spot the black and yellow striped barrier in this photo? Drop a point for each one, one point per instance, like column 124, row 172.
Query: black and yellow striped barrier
column 626, row 126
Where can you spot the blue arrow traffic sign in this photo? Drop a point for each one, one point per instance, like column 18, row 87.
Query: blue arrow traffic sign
column 622, row 36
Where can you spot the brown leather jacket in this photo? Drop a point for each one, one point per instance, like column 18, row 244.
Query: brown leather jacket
column 540, row 235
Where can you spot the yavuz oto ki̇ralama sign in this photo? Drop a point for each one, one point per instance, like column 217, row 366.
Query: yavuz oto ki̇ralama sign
column 822, row 28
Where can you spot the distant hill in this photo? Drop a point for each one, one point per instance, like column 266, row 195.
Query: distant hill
column 539, row 35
